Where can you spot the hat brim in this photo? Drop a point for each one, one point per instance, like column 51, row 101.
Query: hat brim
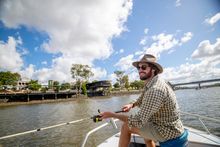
column 158, row 66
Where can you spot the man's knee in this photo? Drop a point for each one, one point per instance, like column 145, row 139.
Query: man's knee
column 130, row 129
column 125, row 126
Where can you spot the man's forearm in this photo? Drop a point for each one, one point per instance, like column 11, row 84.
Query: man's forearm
column 121, row 117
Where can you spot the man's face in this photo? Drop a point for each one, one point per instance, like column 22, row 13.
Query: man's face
column 144, row 71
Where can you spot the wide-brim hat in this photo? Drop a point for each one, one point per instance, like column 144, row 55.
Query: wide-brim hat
column 148, row 58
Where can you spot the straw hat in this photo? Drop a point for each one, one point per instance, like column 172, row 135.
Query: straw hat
column 148, row 58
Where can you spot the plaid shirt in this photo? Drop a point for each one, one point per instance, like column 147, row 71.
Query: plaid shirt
column 158, row 106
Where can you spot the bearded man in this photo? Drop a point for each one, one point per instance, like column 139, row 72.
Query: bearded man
column 158, row 117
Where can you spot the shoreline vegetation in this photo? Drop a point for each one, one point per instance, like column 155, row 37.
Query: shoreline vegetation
column 74, row 98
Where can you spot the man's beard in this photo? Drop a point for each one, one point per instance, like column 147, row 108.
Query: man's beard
column 146, row 76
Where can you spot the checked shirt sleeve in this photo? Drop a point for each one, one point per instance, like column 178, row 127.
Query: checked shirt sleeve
column 138, row 101
column 151, row 102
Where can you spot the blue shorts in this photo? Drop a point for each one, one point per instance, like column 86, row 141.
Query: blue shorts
column 181, row 141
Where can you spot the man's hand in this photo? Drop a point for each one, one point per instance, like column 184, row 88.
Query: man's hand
column 127, row 108
column 107, row 114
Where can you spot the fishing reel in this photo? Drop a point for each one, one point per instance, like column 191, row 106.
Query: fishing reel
column 97, row 118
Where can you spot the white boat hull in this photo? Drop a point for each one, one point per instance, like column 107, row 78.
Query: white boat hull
column 196, row 138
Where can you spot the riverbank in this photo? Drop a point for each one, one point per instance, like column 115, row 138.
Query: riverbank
column 74, row 98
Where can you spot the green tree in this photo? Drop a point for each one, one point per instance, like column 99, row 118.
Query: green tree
column 8, row 78
column 137, row 84
column 65, row 86
column 56, row 86
column 119, row 75
column 81, row 73
column 43, row 89
column 116, row 85
column 125, row 81
column 84, row 89
column 34, row 85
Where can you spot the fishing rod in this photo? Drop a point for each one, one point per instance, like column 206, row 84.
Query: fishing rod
column 41, row 129
column 95, row 118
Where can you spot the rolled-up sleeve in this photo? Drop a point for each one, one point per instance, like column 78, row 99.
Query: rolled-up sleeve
column 151, row 102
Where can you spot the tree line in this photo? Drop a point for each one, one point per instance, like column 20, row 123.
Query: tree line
column 80, row 73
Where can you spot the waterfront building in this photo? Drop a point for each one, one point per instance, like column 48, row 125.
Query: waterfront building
column 22, row 84
column 99, row 88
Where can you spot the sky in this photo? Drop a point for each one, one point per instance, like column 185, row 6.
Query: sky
column 42, row 39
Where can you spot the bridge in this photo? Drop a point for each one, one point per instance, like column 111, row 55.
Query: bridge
column 195, row 82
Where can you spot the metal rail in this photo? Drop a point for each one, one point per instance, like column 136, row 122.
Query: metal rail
column 112, row 122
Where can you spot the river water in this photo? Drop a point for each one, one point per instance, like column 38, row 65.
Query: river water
column 15, row 119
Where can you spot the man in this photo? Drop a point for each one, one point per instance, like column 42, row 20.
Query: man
column 158, row 118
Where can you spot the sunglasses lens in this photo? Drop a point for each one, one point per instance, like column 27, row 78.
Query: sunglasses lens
column 143, row 67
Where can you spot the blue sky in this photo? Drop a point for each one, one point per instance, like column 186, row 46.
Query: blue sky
column 42, row 39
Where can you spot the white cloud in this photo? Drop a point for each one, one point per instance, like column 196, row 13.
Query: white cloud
column 112, row 77
column 138, row 53
column 28, row 72
column 60, row 71
column 187, row 72
column 133, row 75
column 74, row 27
column 99, row 73
column 214, row 19
column 166, row 42
column 125, row 63
column 205, row 69
column 121, row 51
column 162, row 43
column 146, row 30
column 206, row 49
column 207, row 66
column 44, row 62
column 10, row 58
column 177, row 3
column 81, row 31
column 143, row 40
column 187, row 36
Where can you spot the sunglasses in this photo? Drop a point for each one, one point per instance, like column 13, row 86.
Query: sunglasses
column 143, row 67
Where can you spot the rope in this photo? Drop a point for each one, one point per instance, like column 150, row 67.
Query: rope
column 44, row 128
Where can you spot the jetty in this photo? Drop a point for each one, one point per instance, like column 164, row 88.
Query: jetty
column 26, row 97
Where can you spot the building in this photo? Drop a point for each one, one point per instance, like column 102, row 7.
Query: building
column 99, row 88
column 22, row 84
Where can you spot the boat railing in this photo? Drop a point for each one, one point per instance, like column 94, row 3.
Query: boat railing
column 111, row 122
column 200, row 118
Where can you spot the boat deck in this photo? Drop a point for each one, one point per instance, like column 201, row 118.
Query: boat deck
column 196, row 138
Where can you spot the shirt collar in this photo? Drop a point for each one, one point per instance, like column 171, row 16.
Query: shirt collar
column 151, row 82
